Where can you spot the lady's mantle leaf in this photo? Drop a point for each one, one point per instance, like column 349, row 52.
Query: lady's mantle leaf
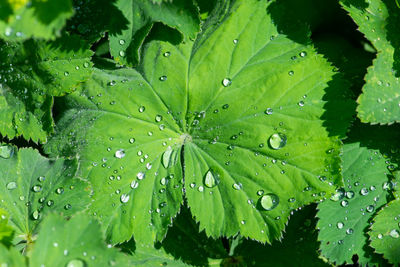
column 11, row 257
column 179, row 14
column 243, row 110
column 77, row 242
column 31, row 74
column 23, row 19
column 378, row 20
column 343, row 220
column 385, row 232
column 31, row 186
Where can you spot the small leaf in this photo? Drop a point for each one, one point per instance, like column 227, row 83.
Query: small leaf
column 344, row 219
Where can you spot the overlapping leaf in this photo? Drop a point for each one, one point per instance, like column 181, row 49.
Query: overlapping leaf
column 241, row 108
column 6, row 231
column 380, row 100
column 343, row 220
column 179, row 14
column 23, row 19
column 31, row 186
column 385, row 232
column 31, row 74
column 11, row 257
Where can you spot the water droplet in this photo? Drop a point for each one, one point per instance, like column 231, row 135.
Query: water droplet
column 225, row 106
column 36, row 188
column 211, row 178
column 269, row 201
column 380, row 236
column 235, row 41
column 11, row 185
column 142, row 109
column 364, row 191
column 140, row 175
column 291, row 73
column 277, row 141
column 86, row 64
column 120, row 153
column 122, row 53
column 68, row 206
column 338, row 195
column 121, row 42
column 167, row 54
column 163, row 78
column 158, row 118
column 66, row 73
column 76, row 263
column 166, row 157
column 350, row 194
column 349, row 231
column 344, row 203
column 35, row 215
column 201, row 188
column 41, row 178
column 132, row 140
column 124, row 198
column 134, row 184
column 6, row 151
column 60, row 190
column 370, row 208
column 303, row 54
column 340, row 225
column 112, row 83
column 301, row 103
column 269, row 111
column 226, row 82
column 237, row 186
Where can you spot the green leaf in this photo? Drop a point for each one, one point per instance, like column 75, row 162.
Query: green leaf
column 274, row 86
column 343, row 220
column 379, row 102
column 6, row 231
column 11, row 257
column 32, row 186
column 78, row 241
column 385, row 232
column 34, row 72
column 150, row 256
column 299, row 241
column 21, row 20
column 178, row 14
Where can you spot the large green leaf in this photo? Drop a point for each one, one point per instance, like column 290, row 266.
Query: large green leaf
column 385, row 232
column 141, row 14
column 23, row 19
column 31, row 186
column 299, row 241
column 343, row 220
column 380, row 100
column 31, row 75
column 6, row 231
column 77, row 242
column 245, row 119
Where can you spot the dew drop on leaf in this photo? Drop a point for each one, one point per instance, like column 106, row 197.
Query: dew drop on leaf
column 120, row 153
column 237, row 186
column 364, row 191
column 35, row 215
column 11, row 185
column 158, row 118
column 394, row 233
column 140, row 175
column 339, row 225
column 166, row 157
column 167, row 54
column 36, row 188
column 121, row 42
column 211, row 178
column 132, row 140
column 303, row 54
column 76, row 263
column 344, row 203
column 349, row 231
column 350, row 194
column 277, row 141
column 124, row 198
column 134, row 184
column 226, row 82
column 142, row 109
column 269, row 201
column 370, row 208
column 269, row 111
column 163, row 78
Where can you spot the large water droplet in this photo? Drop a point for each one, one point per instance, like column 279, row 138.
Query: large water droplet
column 6, row 151
column 166, row 157
column 277, row 141
column 124, row 198
column 140, row 175
column 120, row 153
column 35, row 215
column 394, row 233
column 134, row 184
column 269, row 201
column 11, row 185
column 226, row 82
column 76, row 263
column 338, row 195
column 211, row 178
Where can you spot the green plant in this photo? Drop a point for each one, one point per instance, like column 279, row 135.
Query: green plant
column 199, row 133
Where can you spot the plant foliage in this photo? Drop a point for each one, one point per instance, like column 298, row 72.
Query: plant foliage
column 199, row 133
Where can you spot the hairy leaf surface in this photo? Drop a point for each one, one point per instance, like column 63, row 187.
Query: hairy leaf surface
column 343, row 220
column 31, row 186
column 380, row 100
column 241, row 108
